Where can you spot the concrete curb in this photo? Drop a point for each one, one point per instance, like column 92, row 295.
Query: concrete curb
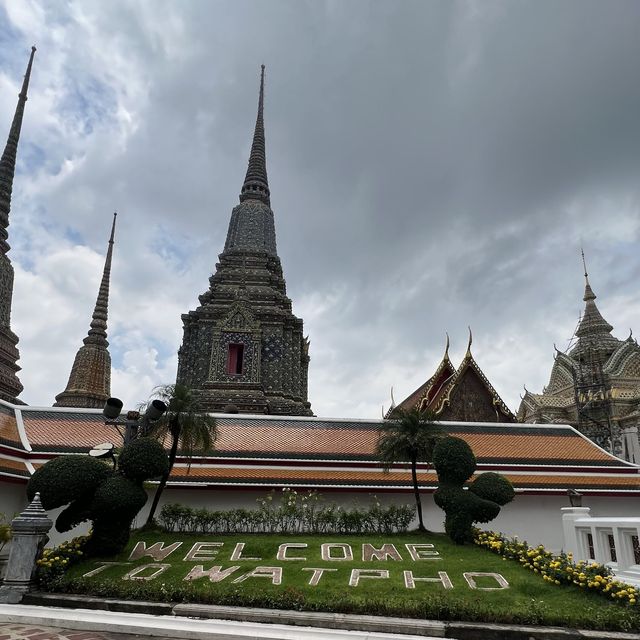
column 296, row 620
column 175, row 627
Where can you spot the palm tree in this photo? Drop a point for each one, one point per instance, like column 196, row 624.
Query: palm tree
column 409, row 436
column 186, row 424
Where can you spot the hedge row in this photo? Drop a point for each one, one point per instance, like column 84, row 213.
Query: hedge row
column 292, row 513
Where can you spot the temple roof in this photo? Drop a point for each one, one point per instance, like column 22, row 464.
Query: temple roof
column 426, row 393
column 331, row 454
column 437, row 392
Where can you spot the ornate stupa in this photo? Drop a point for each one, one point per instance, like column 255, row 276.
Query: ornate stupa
column 243, row 349
column 10, row 385
column 594, row 385
column 90, row 379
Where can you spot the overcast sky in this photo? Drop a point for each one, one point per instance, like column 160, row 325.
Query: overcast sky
column 432, row 165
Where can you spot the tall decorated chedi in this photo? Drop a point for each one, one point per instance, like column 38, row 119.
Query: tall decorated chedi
column 90, row 379
column 10, row 386
column 594, row 385
column 243, row 349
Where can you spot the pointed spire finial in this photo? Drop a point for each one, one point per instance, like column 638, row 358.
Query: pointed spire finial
column 588, row 291
column 8, row 160
column 98, row 330
column 113, row 227
column 256, row 184
column 27, row 76
column 446, row 349
column 468, row 354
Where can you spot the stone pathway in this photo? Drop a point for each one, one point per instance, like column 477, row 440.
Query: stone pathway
column 12, row 631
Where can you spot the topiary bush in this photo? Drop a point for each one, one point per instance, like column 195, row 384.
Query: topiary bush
column 67, row 478
column 454, row 460
column 143, row 459
column 455, row 463
column 492, row 486
column 94, row 491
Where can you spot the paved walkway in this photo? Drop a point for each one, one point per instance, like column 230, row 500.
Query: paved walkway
column 38, row 632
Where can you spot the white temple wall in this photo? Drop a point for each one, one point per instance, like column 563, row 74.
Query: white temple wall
column 13, row 498
column 535, row 518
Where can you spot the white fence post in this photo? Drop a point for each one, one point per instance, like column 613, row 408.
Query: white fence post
column 573, row 541
column 608, row 535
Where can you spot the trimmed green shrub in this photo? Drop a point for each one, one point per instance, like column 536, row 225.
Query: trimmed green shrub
column 78, row 511
column 118, row 498
column 67, row 478
column 454, row 460
column 94, row 491
column 492, row 486
column 455, row 463
column 143, row 459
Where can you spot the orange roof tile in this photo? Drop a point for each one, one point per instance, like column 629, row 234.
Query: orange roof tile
column 317, row 439
column 13, row 467
column 428, row 479
column 9, row 428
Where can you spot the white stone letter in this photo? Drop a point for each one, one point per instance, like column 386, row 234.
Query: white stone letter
column 410, row 580
column 215, row 574
column 374, row 574
column 422, row 552
column 275, row 573
column 347, row 554
column 282, row 550
column 317, row 574
column 237, row 553
column 469, row 577
column 156, row 551
column 200, row 551
column 159, row 568
column 369, row 552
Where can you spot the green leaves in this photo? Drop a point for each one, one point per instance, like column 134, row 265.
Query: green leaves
column 408, row 436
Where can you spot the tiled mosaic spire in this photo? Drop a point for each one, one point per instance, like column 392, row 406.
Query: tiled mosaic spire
column 10, row 386
column 256, row 184
column 90, row 380
column 243, row 350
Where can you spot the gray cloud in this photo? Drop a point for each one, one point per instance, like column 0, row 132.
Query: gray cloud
column 432, row 165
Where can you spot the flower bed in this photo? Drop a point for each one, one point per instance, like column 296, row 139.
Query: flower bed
column 54, row 562
column 559, row 569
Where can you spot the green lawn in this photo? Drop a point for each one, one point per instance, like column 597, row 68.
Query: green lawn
column 528, row 599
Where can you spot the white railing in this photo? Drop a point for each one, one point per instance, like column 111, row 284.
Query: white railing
column 614, row 542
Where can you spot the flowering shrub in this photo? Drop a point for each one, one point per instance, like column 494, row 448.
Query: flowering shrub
column 559, row 569
column 54, row 562
column 293, row 512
